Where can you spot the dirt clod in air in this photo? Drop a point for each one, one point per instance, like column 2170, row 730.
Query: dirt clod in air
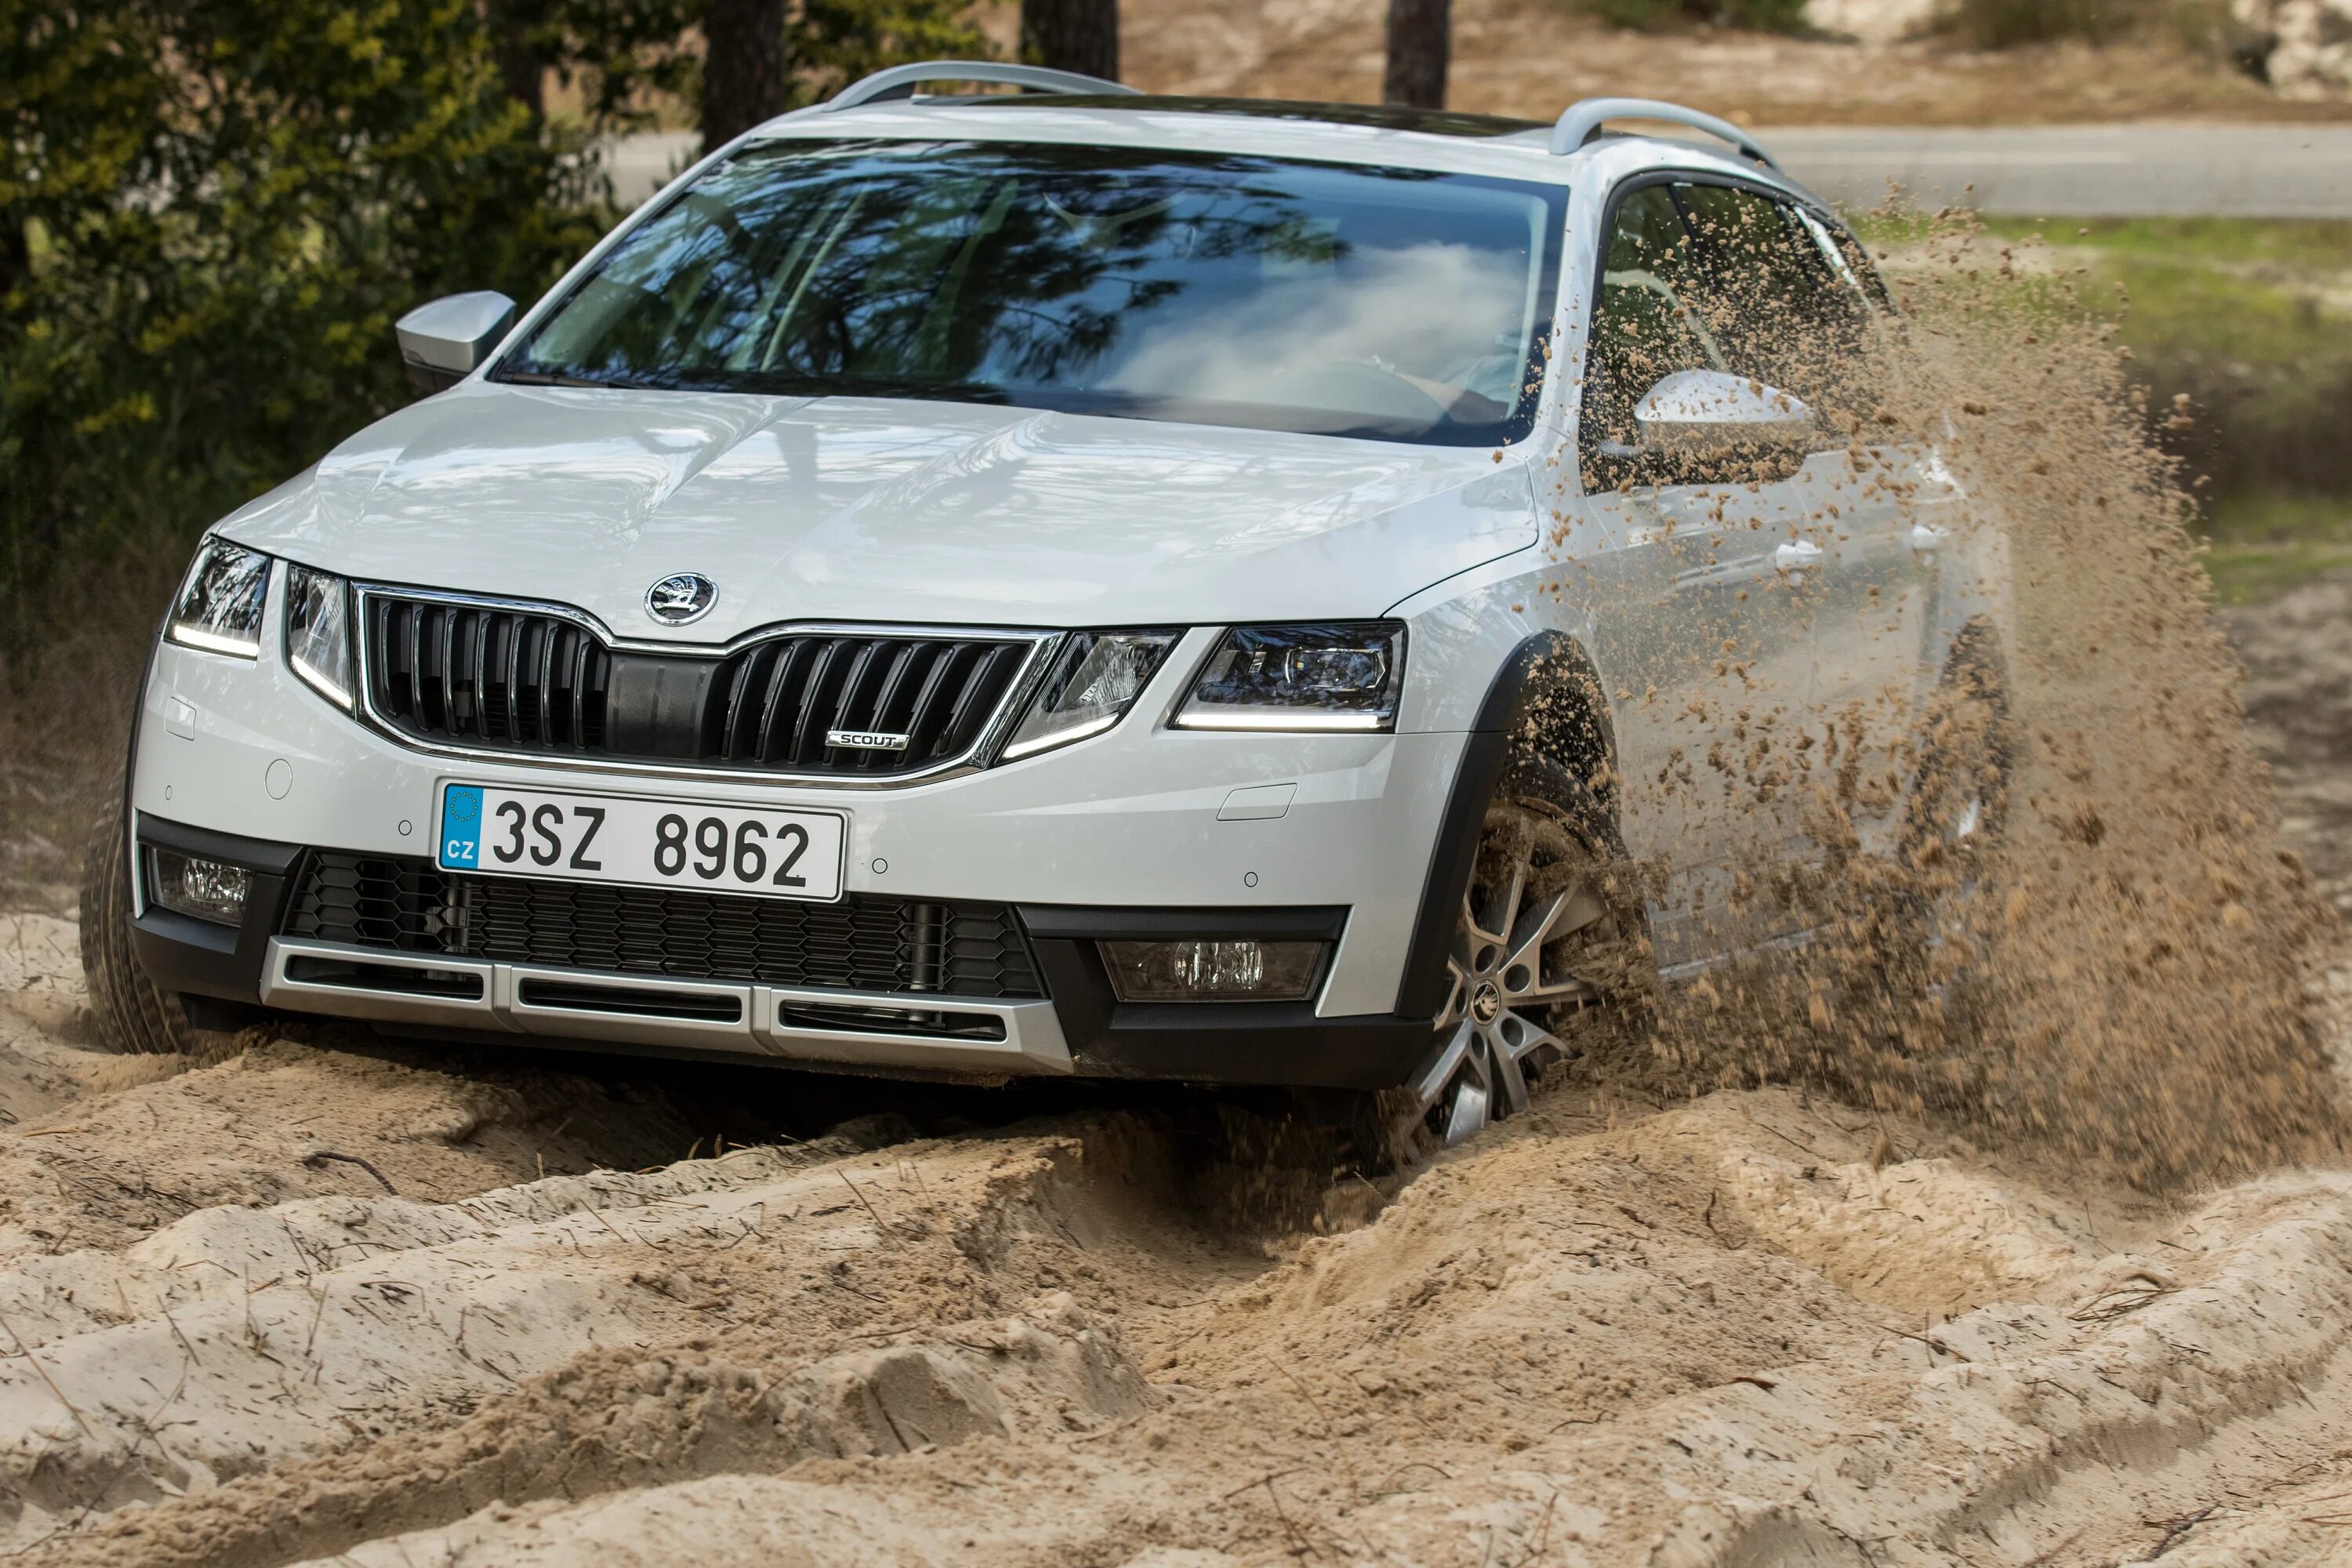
column 2125, row 974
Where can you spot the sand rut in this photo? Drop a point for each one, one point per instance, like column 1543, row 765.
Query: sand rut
column 1012, row 1348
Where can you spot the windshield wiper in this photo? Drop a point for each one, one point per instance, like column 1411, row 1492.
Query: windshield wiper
column 784, row 384
column 797, row 385
column 557, row 378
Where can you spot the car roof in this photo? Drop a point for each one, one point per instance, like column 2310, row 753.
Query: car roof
column 1324, row 132
column 1384, row 116
column 1377, row 135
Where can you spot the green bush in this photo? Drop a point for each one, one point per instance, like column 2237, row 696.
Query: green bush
column 2005, row 24
column 211, row 213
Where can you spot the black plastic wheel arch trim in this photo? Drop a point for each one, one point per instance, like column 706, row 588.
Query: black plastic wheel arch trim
column 1552, row 658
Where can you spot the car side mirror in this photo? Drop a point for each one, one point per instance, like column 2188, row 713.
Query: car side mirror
column 442, row 342
column 1711, row 413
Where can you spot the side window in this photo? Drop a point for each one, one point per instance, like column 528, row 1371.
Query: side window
column 1703, row 277
column 1785, row 315
column 1649, row 320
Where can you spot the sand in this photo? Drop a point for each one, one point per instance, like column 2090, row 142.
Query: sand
column 1759, row 1327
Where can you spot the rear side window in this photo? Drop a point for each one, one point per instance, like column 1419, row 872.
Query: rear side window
column 1711, row 277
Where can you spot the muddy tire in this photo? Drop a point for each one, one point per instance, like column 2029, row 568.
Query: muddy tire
column 131, row 1014
column 1549, row 958
column 1953, row 829
column 1959, row 796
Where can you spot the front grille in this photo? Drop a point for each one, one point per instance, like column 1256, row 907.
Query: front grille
column 514, row 680
column 510, row 679
column 773, row 704
column 864, row 942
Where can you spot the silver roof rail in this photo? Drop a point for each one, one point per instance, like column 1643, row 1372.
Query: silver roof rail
column 900, row 81
column 1583, row 121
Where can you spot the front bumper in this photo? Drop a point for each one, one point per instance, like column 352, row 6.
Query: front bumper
column 1128, row 834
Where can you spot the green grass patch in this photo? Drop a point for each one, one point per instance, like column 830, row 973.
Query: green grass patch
column 2261, row 545
column 2252, row 320
column 2255, row 574
column 2275, row 298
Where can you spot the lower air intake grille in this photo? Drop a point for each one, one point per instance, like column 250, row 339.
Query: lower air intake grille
column 862, row 944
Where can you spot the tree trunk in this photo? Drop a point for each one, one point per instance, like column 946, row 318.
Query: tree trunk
column 525, row 76
column 516, row 44
column 1420, row 41
column 742, row 67
column 1073, row 35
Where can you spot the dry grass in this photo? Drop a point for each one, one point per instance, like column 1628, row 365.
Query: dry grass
column 65, row 714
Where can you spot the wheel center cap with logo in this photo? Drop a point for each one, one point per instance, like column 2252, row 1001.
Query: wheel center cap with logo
column 681, row 599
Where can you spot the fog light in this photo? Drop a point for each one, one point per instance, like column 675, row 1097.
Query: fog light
column 199, row 889
column 1212, row 971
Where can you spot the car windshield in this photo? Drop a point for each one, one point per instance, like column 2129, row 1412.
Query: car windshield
column 1203, row 288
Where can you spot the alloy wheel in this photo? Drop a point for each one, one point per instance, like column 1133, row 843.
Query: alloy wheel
column 1530, row 960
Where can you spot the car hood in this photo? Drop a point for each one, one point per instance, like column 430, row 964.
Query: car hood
column 886, row 510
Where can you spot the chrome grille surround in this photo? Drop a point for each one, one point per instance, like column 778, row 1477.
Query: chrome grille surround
column 577, row 735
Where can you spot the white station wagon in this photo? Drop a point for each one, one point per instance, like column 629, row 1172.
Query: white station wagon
column 1064, row 581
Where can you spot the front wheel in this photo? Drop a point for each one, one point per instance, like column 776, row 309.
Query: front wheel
column 132, row 1015
column 1550, row 948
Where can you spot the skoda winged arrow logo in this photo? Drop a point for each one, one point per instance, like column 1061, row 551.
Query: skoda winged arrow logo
column 681, row 599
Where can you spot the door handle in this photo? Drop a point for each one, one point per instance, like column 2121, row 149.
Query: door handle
column 1924, row 538
column 1796, row 555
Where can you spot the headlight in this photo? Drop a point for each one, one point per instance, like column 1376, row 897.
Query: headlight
column 1336, row 676
column 319, row 632
column 219, row 608
column 1092, row 681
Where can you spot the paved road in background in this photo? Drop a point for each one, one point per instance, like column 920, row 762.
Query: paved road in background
column 2060, row 171
column 2084, row 171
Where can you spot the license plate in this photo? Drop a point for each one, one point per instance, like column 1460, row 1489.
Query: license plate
column 643, row 843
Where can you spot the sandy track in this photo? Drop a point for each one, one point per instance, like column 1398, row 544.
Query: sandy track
column 1748, row 1329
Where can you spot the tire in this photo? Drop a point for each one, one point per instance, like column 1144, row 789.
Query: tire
column 132, row 1015
column 1550, row 871
column 1958, row 802
column 1953, row 825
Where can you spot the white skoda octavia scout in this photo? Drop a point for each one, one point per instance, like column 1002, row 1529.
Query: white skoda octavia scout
column 1064, row 581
